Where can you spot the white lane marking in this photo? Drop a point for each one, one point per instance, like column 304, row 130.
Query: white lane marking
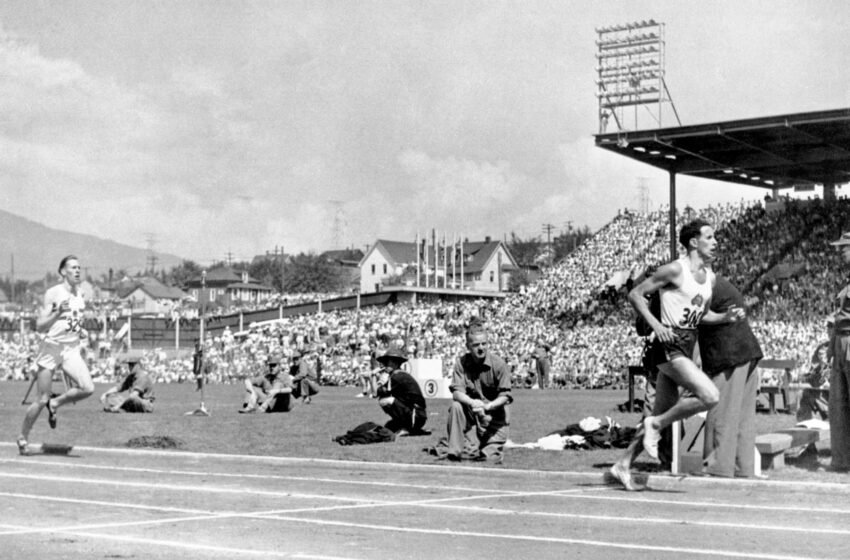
column 182, row 487
column 629, row 498
column 148, row 542
column 446, row 503
column 491, row 472
column 433, row 532
column 347, row 481
column 83, row 530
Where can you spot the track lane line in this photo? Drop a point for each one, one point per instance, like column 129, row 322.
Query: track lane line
column 632, row 498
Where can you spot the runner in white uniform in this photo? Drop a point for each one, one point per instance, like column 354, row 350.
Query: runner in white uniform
column 685, row 287
column 61, row 316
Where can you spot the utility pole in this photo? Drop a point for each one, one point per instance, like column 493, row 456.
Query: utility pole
column 13, row 278
column 569, row 225
column 151, row 258
column 547, row 229
column 229, row 256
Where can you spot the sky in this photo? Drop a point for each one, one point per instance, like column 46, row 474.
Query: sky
column 209, row 129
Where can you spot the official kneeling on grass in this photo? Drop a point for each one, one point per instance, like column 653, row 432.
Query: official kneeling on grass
column 400, row 396
column 271, row 392
column 139, row 388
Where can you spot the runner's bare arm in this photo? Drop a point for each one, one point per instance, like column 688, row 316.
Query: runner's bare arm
column 668, row 274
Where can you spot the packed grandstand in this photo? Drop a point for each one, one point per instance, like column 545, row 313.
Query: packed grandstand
column 779, row 258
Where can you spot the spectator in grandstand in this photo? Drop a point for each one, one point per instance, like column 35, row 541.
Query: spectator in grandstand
column 139, row 388
column 270, row 392
column 399, row 395
column 685, row 287
column 303, row 375
column 839, row 381
column 730, row 353
column 481, row 398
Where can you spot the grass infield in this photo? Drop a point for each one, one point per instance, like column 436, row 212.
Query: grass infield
column 308, row 430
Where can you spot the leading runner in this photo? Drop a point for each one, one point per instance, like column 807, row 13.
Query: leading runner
column 685, row 287
column 61, row 317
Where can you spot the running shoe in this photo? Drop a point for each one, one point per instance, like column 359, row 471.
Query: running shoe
column 23, row 446
column 618, row 475
column 51, row 415
column 651, row 437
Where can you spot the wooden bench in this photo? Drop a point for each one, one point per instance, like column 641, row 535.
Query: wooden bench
column 772, row 390
column 772, row 447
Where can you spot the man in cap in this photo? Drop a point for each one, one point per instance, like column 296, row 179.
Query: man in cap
column 399, row 395
column 304, row 384
column 839, row 381
column 270, row 392
column 139, row 388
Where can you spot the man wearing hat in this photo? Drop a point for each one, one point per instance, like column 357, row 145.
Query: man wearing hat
column 400, row 396
column 839, row 381
column 139, row 387
column 304, row 384
column 270, row 392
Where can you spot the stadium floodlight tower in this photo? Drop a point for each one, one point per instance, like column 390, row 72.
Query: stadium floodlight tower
column 630, row 76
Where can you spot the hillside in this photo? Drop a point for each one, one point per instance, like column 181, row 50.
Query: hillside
column 37, row 249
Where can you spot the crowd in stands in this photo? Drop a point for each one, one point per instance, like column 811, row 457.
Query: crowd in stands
column 587, row 324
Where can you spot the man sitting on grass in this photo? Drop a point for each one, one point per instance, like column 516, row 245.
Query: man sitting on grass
column 271, row 392
column 139, row 387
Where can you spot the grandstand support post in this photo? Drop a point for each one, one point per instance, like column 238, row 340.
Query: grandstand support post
column 130, row 330
column 673, row 244
column 177, row 333
column 241, row 321
column 829, row 192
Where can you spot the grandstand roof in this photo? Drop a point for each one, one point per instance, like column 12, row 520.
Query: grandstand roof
column 770, row 152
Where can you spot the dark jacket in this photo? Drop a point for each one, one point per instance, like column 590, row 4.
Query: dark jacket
column 727, row 345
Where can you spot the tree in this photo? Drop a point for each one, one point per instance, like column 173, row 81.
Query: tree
column 525, row 251
column 569, row 241
column 268, row 271
column 182, row 273
column 308, row 272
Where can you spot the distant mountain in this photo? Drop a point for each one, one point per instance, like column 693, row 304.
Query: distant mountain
column 37, row 250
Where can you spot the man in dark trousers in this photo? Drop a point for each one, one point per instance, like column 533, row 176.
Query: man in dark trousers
column 304, row 384
column 730, row 353
column 544, row 366
column 481, row 398
column 400, row 396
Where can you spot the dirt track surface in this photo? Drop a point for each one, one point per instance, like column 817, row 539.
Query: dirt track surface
column 112, row 503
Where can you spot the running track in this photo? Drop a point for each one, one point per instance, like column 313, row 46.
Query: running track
column 113, row 503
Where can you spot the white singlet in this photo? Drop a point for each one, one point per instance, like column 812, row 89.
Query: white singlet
column 66, row 329
column 683, row 307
